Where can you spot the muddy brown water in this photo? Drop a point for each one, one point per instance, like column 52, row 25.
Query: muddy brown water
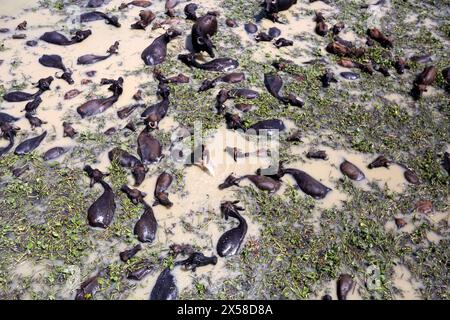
column 201, row 197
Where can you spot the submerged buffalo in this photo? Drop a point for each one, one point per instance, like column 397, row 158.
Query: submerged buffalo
column 134, row 195
column 233, row 77
column 170, row 6
column 195, row 260
column 273, row 83
column 161, row 195
column 92, row 58
column 156, row 52
column 145, row 18
column 423, row 80
column 446, row 162
column 156, row 112
column 218, row 64
column 136, row 3
column 55, row 61
column 34, row 121
column 321, row 26
column 130, row 253
column 378, row 36
column 101, row 212
column 89, row 287
column 262, row 182
column 54, row 153
column 230, row 242
column 273, row 7
column 30, row 144
column 145, row 228
column 162, row 79
column 308, row 184
column 19, row 96
column 127, row 160
column 8, row 132
column 380, row 161
column 351, row 171
column 97, row 15
column 344, row 286
column 94, row 175
column 31, row 107
column 149, row 148
column 68, row 130
column 127, row 111
column 165, row 287
column 7, row 118
column 96, row 106
column 95, row 3
column 203, row 29
column 269, row 125
column 224, row 95
column 55, row 37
